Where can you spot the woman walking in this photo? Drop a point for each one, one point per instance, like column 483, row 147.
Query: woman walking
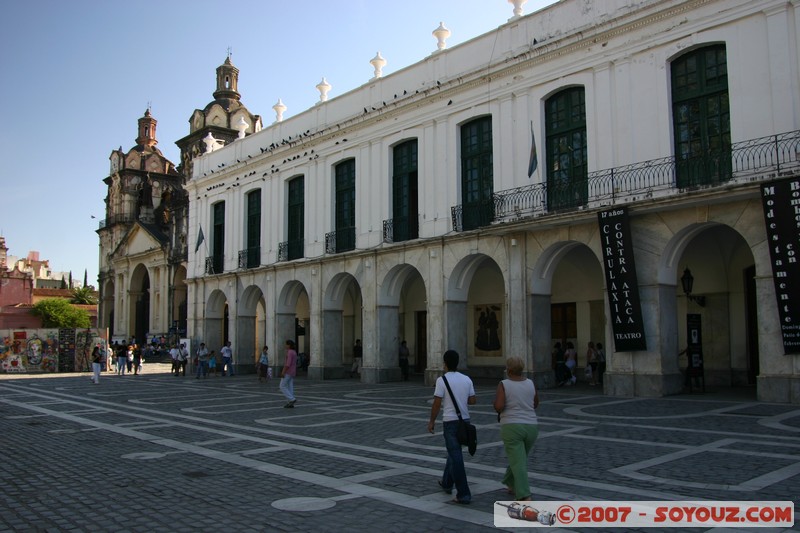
column 516, row 401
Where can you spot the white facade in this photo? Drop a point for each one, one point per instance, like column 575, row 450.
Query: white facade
column 527, row 266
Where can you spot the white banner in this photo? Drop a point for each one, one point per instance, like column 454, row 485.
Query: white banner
column 681, row 514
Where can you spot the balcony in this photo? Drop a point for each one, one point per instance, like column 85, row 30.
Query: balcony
column 250, row 257
column 400, row 229
column 214, row 265
column 116, row 219
column 291, row 250
column 341, row 240
column 753, row 160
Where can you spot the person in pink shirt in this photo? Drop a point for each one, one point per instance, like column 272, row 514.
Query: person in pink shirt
column 288, row 373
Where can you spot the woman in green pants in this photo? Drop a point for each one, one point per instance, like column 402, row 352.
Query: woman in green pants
column 516, row 402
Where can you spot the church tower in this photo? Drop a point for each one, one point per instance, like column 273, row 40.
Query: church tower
column 219, row 118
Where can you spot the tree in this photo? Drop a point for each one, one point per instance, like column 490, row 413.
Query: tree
column 59, row 313
column 83, row 295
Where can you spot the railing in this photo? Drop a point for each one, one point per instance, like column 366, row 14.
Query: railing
column 755, row 159
column 341, row 240
column 116, row 219
column 250, row 257
column 214, row 265
column 400, row 229
column 291, row 250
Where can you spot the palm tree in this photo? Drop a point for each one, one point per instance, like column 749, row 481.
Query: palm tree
column 83, row 295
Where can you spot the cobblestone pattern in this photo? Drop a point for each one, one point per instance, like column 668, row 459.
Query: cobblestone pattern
column 160, row 453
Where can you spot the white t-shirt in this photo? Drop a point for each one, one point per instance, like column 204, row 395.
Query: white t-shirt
column 226, row 351
column 462, row 389
column 174, row 353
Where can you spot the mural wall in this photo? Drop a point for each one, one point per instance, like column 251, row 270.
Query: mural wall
column 48, row 350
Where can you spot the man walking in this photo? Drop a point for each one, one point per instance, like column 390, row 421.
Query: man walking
column 464, row 393
column 227, row 358
column 173, row 353
column 202, row 361
column 287, row 374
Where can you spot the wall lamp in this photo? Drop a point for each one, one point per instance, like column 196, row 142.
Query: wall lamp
column 687, row 281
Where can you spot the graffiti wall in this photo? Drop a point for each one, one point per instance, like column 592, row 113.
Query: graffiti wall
column 48, row 350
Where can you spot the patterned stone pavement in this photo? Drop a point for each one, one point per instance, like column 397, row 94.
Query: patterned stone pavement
column 162, row 453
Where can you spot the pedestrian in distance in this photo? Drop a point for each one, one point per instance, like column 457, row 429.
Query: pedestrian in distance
column 97, row 364
column 358, row 358
column 202, row 361
column 263, row 366
column 288, row 373
column 227, row 359
column 464, row 393
column 404, row 360
column 212, row 363
column 516, row 401
column 173, row 353
column 183, row 359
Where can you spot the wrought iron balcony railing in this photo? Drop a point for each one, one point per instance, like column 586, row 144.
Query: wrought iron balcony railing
column 116, row 219
column 214, row 265
column 291, row 250
column 250, row 257
column 755, row 159
column 400, row 229
column 341, row 240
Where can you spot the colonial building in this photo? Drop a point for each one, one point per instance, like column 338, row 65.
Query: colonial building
column 588, row 172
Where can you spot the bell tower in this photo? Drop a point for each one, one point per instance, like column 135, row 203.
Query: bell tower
column 227, row 81
column 147, row 130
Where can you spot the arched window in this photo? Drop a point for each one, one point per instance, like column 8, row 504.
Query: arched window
column 701, row 116
column 565, row 116
column 296, row 217
column 253, row 229
column 477, row 173
column 345, row 190
column 405, row 204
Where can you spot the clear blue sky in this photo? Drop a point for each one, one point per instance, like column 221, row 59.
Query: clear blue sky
column 78, row 74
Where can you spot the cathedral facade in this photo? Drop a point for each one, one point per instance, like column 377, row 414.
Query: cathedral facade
column 143, row 237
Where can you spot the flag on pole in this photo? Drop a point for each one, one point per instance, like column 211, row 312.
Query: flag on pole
column 200, row 239
column 533, row 163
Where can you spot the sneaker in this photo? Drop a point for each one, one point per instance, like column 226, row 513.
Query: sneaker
column 289, row 405
column 292, row 402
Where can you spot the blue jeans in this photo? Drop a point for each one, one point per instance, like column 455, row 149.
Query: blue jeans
column 227, row 362
column 202, row 367
column 287, row 387
column 454, row 471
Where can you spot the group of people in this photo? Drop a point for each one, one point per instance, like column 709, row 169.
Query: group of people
column 128, row 357
column 206, row 361
column 565, row 362
column 515, row 402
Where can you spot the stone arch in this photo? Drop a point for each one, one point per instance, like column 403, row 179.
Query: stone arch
column 402, row 315
column 474, row 310
column 724, row 266
column 342, row 324
column 250, row 327
column 139, row 302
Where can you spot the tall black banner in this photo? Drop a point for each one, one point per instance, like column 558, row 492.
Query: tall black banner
column 621, row 282
column 781, row 200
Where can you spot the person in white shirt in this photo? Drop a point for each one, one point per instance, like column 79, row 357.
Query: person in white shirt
column 516, row 401
column 227, row 358
column 464, row 392
column 173, row 353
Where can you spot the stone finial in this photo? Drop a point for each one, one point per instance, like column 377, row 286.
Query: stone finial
column 242, row 126
column 210, row 142
column 517, row 8
column 323, row 87
column 378, row 63
column 441, row 33
column 279, row 108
